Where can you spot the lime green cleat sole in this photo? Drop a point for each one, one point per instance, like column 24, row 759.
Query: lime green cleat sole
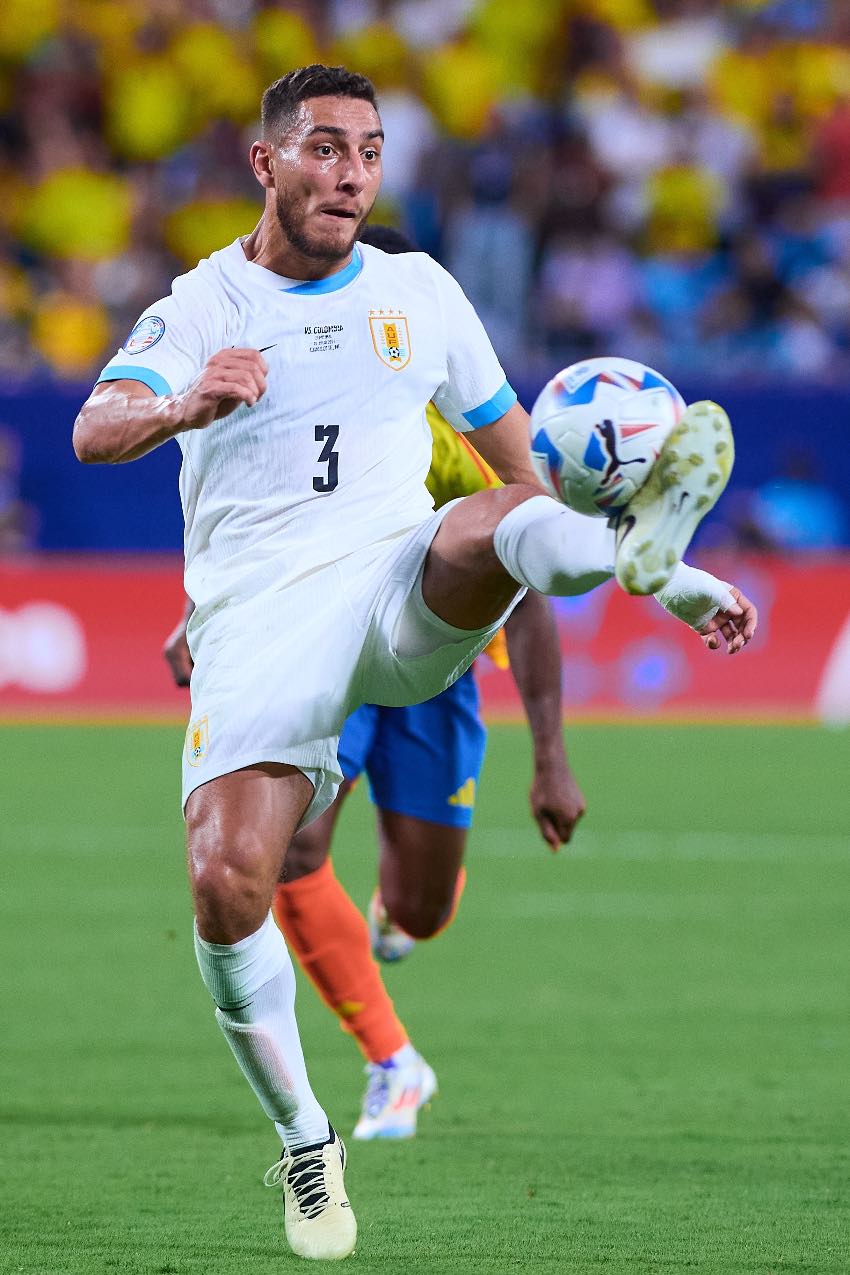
column 686, row 481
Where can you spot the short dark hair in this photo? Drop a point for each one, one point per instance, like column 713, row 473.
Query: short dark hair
column 281, row 99
column 388, row 239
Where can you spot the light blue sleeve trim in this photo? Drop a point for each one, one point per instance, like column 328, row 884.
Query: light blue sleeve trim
column 495, row 407
column 132, row 372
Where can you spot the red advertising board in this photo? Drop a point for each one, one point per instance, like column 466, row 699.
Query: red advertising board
column 83, row 637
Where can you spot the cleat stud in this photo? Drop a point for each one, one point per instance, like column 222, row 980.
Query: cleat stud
column 720, row 448
column 703, row 502
column 713, row 479
column 670, row 558
column 672, row 455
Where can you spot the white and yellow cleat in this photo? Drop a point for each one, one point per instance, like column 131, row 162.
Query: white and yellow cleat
column 655, row 527
column 395, row 1095
column 318, row 1217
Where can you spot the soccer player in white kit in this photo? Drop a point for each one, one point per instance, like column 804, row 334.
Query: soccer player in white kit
column 294, row 367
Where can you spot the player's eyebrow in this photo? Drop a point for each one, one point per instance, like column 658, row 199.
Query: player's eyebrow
column 336, row 131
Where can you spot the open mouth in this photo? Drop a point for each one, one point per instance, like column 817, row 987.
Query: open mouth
column 342, row 214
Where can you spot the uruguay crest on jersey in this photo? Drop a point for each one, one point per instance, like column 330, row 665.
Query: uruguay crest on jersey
column 390, row 337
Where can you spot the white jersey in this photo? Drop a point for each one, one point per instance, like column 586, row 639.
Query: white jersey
column 334, row 457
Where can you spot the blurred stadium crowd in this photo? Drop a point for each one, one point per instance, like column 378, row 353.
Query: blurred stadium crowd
column 668, row 179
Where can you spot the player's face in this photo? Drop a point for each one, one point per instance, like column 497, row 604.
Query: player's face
column 327, row 170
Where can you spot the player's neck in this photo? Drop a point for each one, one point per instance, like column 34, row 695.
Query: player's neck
column 267, row 246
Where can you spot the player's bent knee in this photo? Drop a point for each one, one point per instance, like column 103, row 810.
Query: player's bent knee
column 421, row 918
column 231, row 885
column 224, row 880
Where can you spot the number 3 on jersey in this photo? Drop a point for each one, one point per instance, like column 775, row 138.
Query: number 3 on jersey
column 327, row 435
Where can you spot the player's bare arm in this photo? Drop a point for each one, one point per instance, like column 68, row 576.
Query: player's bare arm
column 176, row 651
column 504, row 446
column 557, row 802
column 123, row 420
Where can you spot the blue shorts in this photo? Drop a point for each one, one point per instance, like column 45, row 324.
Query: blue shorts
column 424, row 760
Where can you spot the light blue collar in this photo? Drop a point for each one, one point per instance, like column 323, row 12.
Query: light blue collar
column 331, row 282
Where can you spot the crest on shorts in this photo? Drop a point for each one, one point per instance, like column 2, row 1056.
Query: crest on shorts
column 197, row 741
column 390, row 337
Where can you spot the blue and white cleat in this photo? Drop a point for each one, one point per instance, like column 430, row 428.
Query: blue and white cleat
column 389, row 943
column 656, row 526
column 395, row 1095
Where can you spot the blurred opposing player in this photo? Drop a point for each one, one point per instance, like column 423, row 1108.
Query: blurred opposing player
column 294, row 368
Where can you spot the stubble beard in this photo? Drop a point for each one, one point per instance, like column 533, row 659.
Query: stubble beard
column 292, row 226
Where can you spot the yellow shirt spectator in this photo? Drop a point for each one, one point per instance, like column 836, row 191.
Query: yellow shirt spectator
column 220, row 77
column 742, row 81
column 150, row 111
column 623, row 15
column 461, row 82
column 684, row 207
column 112, row 26
column 199, row 228
column 76, row 213
column 379, row 52
column 70, row 334
column 784, row 137
column 24, row 24
column 820, row 75
column 282, row 40
column 519, row 40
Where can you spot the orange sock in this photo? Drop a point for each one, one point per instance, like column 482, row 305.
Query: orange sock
column 331, row 940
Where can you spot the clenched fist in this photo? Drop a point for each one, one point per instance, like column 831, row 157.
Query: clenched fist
column 230, row 378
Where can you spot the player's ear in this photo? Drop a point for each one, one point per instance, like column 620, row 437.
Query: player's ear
column 261, row 162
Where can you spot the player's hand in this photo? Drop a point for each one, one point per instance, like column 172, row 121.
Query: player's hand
column 557, row 802
column 176, row 652
column 735, row 625
column 229, row 379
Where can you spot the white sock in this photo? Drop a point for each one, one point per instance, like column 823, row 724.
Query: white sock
column 552, row 549
column 253, row 985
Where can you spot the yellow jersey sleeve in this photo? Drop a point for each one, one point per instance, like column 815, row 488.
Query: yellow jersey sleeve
column 456, row 468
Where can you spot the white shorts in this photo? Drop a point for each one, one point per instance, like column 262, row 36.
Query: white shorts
column 276, row 675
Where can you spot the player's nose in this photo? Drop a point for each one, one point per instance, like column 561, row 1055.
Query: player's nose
column 352, row 178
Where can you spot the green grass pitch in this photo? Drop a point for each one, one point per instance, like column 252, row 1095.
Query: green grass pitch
column 642, row 1044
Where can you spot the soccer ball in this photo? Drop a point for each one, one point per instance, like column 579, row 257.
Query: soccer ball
column 597, row 429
